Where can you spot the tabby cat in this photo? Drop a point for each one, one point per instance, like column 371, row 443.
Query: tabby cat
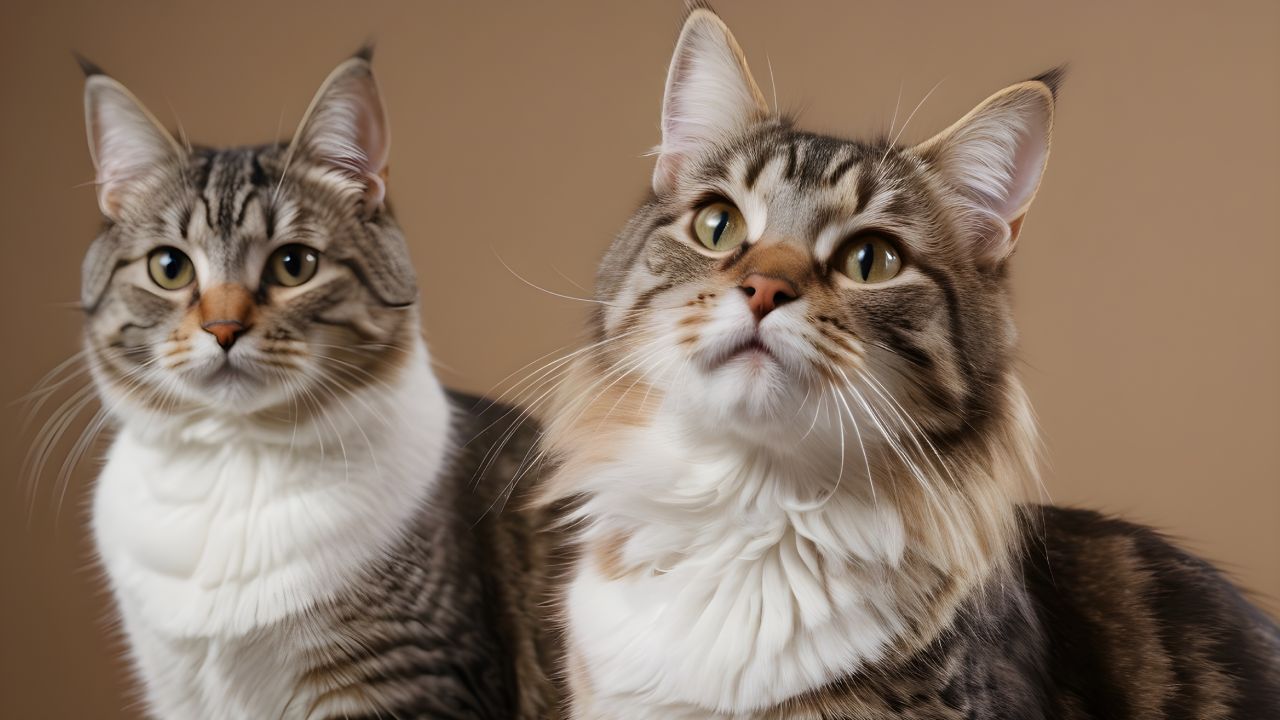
column 795, row 451
column 296, row 520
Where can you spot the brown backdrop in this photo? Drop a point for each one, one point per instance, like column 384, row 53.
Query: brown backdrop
column 1146, row 280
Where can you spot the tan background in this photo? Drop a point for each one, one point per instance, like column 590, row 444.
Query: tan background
column 1146, row 280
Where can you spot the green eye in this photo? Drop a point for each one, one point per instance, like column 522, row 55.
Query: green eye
column 869, row 259
column 293, row 265
column 170, row 268
column 719, row 226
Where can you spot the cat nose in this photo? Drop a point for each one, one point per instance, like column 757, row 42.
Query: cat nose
column 225, row 331
column 226, row 312
column 765, row 292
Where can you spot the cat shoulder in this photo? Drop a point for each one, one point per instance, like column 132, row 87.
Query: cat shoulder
column 1112, row 593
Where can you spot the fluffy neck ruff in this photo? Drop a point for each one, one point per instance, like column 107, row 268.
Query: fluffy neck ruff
column 723, row 577
column 215, row 526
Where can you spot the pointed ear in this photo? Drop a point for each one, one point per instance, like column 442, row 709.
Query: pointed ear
column 346, row 128
column 125, row 140
column 710, row 95
column 997, row 153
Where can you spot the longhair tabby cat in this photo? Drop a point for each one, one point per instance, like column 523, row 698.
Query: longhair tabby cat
column 798, row 443
column 294, row 516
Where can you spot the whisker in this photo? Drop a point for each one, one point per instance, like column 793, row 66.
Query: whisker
column 509, row 489
column 894, row 142
column 866, row 461
column 535, row 286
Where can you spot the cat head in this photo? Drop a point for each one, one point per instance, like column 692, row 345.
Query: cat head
column 241, row 280
column 773, row 269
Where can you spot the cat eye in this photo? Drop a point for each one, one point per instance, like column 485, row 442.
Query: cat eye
column 170, row 268
column 293, row 265
column 719, row 226
column 869, row 258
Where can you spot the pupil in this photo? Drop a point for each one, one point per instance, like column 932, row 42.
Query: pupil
column 171, row 266
column 721, row 224
column 866, row 256
column 292, row 263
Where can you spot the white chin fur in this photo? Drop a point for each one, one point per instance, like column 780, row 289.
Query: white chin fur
column 741, row 602
column 758, row 397
column 219, row 538
column 743, row 503
column 208, row 527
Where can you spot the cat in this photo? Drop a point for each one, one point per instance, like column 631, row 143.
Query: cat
column 295, row 518
column 796, row 450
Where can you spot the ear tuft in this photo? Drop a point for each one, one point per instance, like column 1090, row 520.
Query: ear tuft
column 346, row 128
column 365, row 52
column 87, row 66
column 710, row 94
column 1053, row 79
column 126, row 142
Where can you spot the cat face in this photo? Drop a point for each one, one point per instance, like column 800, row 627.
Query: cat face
column 775, row 271
column 247, row 279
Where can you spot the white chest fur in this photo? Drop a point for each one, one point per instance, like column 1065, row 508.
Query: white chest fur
column 215, row 539
column 752, row 585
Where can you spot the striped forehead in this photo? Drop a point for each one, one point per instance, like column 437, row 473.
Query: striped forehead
column 231, row 205
column 813, row 188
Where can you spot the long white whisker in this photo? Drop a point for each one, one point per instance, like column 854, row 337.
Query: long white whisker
column 893, row 143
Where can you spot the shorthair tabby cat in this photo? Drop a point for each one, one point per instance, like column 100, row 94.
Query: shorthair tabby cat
column 297, row 521
column 798, row 445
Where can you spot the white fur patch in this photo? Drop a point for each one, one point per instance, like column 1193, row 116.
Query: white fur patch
column 217, row 538
column 744, row 596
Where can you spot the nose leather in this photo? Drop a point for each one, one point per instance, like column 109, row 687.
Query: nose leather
column 226, row 331
column 765, row 293
column 226, row 312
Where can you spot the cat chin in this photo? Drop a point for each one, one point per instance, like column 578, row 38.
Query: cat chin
column 752, row 398
column 238, row 393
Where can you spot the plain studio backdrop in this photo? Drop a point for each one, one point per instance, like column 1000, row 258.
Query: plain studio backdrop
column 1145, row 280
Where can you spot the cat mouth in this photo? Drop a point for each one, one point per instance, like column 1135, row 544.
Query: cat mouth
column 753, row 349
column 223, row 372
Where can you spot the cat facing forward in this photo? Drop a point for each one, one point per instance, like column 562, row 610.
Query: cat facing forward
column 796, row 449
column 294, row 516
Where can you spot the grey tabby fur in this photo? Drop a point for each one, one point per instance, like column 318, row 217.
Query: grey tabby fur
column 446, row 623
column 451, row 625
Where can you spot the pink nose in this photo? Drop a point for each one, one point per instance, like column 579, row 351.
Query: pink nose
column 226, row 331
column 764, row 293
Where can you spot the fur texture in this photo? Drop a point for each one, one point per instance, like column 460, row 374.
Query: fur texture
column 796, row 458
column 295, row 519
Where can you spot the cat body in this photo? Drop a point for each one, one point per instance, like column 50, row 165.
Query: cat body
column 228, row 616
column 295, row 518
column 796, row 449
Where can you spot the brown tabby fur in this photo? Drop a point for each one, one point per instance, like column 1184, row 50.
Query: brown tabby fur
column 1012, row 610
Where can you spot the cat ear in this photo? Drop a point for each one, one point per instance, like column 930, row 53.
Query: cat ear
column 997, row 153
column 346, row 128
column 125, row 140
column 710, row 94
